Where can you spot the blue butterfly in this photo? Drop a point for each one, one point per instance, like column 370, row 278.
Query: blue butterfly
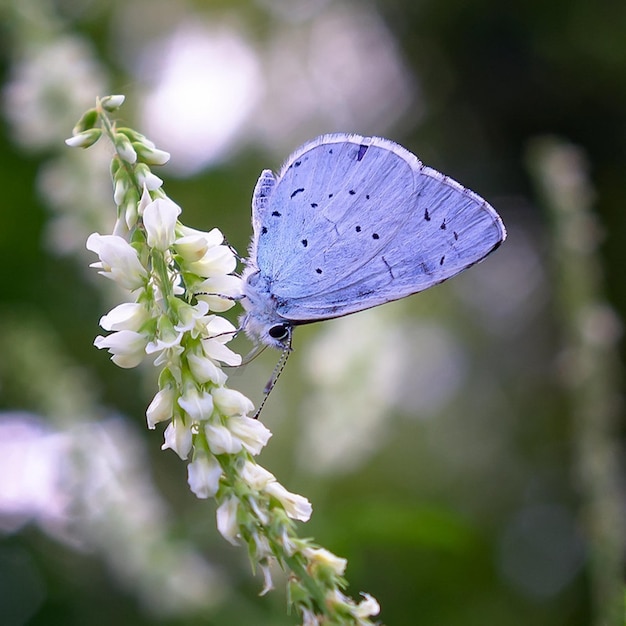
column 352, row 222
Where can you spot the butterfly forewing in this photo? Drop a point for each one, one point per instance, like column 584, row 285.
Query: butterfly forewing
column 354, row 222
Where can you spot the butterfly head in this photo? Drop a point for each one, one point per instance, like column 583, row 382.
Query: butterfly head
column 262, row 322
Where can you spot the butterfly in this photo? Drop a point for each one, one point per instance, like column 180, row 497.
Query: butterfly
column 350, row 223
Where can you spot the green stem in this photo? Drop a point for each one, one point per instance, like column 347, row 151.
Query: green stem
column 590, row 335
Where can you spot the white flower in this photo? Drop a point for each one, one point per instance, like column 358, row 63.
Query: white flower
column 232, row 402
column 144, row 201
column 268, row 583
column 159, row 219
column 197, row 404
column 216, row 260
column 193, row 319
column 126, row 316
column 125, row 149
column 309, row 618
column 213, row 238
column 151, row 155
column 203, row 476
column 367, row 607
column 205, row 370
column 119, row 190
column 221, row 440
column 127, row 347
column 146, row 178
column 220, row 291
column 296, row 506
column 118, row 260
column 191, row 248
column 219, row 328
column 227, row 520
column 49, row 84
column 217, row 351
column 178, row 437
column 168, row 341
column 129, row 213
column 162, row 407
column 112, row 102
column 252, row 433
column 85, row 139
column 321, row 556
column 256, row 476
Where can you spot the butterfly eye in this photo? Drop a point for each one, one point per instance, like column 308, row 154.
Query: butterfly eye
column 280, row 331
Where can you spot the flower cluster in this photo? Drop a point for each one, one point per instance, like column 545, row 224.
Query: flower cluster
column 177, row 279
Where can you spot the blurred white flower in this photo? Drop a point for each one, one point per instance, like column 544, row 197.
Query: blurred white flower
column 368, row 607
column 162, row 406
column 325, row 558
column 227, row 520
column 49, row 88
column 178, row 437
column 203, row 476
column 296, row 506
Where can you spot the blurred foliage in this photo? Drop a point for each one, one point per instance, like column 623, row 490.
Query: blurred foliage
column 461, row 496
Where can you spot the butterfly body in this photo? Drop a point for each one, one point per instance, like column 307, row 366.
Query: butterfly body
column 352, row 222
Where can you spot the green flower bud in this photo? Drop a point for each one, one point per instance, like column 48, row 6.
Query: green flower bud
column 88, row 120
column 84, row 139
column 112, row 103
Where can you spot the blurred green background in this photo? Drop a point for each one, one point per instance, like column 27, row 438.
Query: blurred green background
column 461, row 448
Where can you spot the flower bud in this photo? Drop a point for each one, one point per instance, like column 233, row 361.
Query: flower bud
column 112, row 103
column 85, row 139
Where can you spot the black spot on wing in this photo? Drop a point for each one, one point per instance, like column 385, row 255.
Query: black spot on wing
column 426, row 215
column 314, row 205
column 358, row 229
column 276, row 213
column 375, row 236
column 443, row 224
column 296, row 192
column 456, row 235
column 263, row 230
column 351, row 192
column 318, row 270
column 442, row 259
column 304, row 242
column 367, row 196
column 361, row 152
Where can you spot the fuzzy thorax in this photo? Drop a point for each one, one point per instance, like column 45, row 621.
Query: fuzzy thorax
column 261, row 321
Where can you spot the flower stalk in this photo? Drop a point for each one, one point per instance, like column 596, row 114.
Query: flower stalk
column 177, row 280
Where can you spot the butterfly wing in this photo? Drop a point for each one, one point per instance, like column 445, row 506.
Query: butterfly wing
column 352, row 222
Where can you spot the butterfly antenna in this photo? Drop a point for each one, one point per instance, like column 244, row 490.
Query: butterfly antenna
column 233, row 250
column 278, row 370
